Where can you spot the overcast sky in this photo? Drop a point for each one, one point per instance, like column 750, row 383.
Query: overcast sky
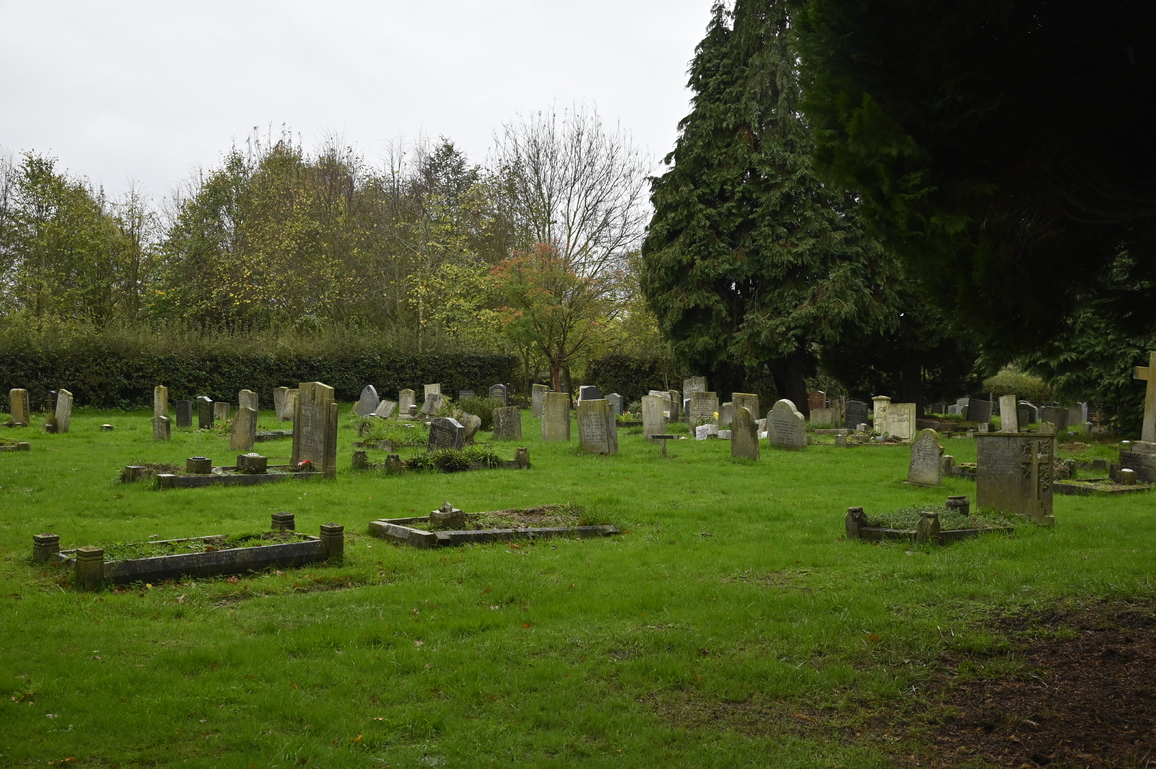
column 152, row 90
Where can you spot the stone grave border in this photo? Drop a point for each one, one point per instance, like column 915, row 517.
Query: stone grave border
column 222, row 475
column 396, row 530
column 1097, row 487
column 92, row 571
column 928, row 531
column 16, row 446
column 395, row 465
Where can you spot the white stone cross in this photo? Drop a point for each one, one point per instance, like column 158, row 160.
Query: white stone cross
column 1148, row 434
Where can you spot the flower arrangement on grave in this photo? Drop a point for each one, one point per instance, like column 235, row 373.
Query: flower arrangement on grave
column 305, row 466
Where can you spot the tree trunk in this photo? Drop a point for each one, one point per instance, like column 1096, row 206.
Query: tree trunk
column 790, row 375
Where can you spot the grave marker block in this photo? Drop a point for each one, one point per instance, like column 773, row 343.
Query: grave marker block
column 160, row 401
column 405, row 400
column 184, row 413
column 507, row 423
column 653, row 422
column 537, row 399
column 555, row 417
column 384, row 409
column 221, row 410
column 204, row 412
column 856, row 414
column 926, row 465
column 703, row 407
column 315, row 427
column 162, row 428
column 1008, row 414
column 500, row 393
column 19, row 406
column 367, row 402
column 785, row 426
column 597, row 428
column 244, row 433
column 744, row 435
column 1014, row 474
column 63, row 410
column 247, row 399
column 446, row 433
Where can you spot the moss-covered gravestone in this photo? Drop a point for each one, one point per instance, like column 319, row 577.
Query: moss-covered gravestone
column 315, row 428
column 1014, row 474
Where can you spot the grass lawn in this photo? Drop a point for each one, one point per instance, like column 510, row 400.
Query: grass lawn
column 731, row 624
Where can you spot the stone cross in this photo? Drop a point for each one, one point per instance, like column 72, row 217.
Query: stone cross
column 1148, row 373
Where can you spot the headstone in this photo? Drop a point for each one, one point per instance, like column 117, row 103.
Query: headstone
column 405, row 399
column 63, row 410
column 446, row 433
column 289, row 408
column 247, row 399
column 507, row 423
column 816, row 399
column 785, row 427
column 703, row 407
column 204, row 412
column 431, row 389
column 615, row 403
column 589, row 393
column 538, row 399
column 315, row 427
column 1008, row 415
column 279, row 394
column 881, row 404
column 1014, row 474
column 160, row 401
column 221, row 410
column 184, row 413
column 726, row 415
column 597, row 427
column 500, row 393
column 748, row 401
column 744, row 435
column 472, row 423
column 675, row 406
column 384, row 409
column 977, row 410
column 693, row 384
column 244, row 433
column 1027, row 413
column 368, row 401
column 926, row 466
column 19, row 406
column 901, row 420
column 1148, row 374
column 653, row 422
column 431, row 405
column 555, row 417
column 824, row 416
column 856, row 414
column 955, row 410
column 702, row 432
column 841, row 438
column 463, row 394
column 1057, row 415
column 162, row 428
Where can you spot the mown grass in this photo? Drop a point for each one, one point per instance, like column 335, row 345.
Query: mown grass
column 730, row 625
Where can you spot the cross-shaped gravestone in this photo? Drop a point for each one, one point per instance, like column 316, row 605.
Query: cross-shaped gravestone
column 1148, row 434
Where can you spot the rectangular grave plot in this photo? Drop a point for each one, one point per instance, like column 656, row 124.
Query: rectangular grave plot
column 230, row 476
column 396, row 530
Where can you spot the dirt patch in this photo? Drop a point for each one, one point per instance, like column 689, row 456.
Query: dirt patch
column 1077, row 690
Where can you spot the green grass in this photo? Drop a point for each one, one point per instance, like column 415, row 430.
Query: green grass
column 731, row 624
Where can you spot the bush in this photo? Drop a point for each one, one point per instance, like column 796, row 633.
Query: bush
column 482, row 408
column 1010, row 381
column 632, row 377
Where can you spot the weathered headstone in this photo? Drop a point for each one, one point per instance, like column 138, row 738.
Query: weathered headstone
column 500, row 393
column 744, row 435
column 901, row 421
column 432, row 389
column 693, row 384
column 279, row 394
column 160, row 401
column 384, row 409
column 926, row 465
column 555, row 417
column 289, row 409
column 785, row 426
column 63, row 410
column 315, row 427
column 446, row 433
column 880, row 405
column 1008, row 414
column 19, row 406
column 589, row 393
column 1148, row 374
column 537, row 399
column 221, row 410
column 748, row 401
column 1057, row 415
column 816, row 399
column 597, row 427
column 978, row 410
column 431, row 405
column 653, row 422
column 472, row 423
column 184, row 413
column 405, row 399
column 675, row 406
column 615, row 403
column 247, row 399
column 368, row 401
column 824, row 416
column 244, row 433
column 703, row 407
column 726, row 415
column 204, row 412
column 1027, row 413
column 162, row 428
column 1014, row 474
column 507, row 423
column 856, row 414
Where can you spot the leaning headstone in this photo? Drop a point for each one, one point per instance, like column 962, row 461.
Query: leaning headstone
column 785, row 426
column 19, row 406
column 204, row 412
column 244, row 433
column 555, row 417
column 500, row 393
column 901, row 421
column 615, row 403
column 446, row 433
column 368, row 401
column 597, row 427
column 221, row 410
column 247, row 399
column 405, row 399
column 693, row 384
column 926, row 465
column 315, row 427
column 744, row 435
column 160, row 401
column 703, row 407
column 537, row 399
column 589, row 393
column 384, row 409
column 162, row 428
column 184, row 413
column 1008, row 414
column 289, row 409
column 675, row 405
column 1014, row 474
column 432, row 404
column 472, row 423
column 653, row 422
column 879, row 408
column 279, row 394
column 63, row 410
column 978, row 410
column 507, row 423
column 856, row 414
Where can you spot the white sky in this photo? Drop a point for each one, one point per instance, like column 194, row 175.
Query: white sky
column 151, row 90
